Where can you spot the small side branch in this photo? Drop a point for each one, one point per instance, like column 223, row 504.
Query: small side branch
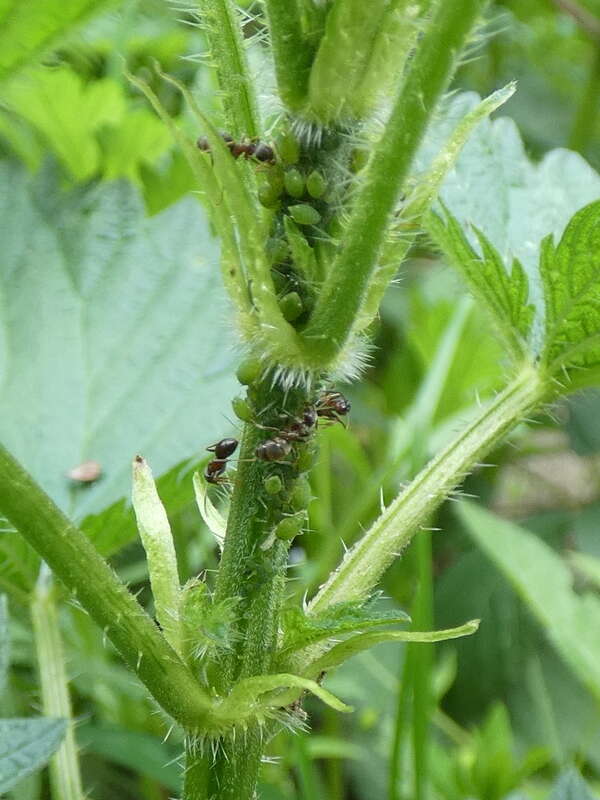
column 74, row 559
column 340, row 302
column 365, row 563
column 292, row 54
column 226, row 42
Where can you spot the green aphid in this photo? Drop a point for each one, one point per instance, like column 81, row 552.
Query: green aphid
column 316, row 185
column 273, row 484
column 301, row 494
column 249, row 371
column 291, row 306
column 278, row 250
column 307, row 458
column 268, row 196
column 290, row 527
column 242, row 409
column 288, row 148
column 294, row 183
column 280, row 281
column 304, row 214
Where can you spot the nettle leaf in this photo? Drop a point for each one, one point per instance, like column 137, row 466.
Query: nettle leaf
column 25, row 746
column 28, row 29
column 139, row 138
column 570, row 274
column 512, row 200
column 544, row 582
column 356, row 644
column 451, row 132
column 254, row 696
column 498, row 211
column 571, row 786
column 302, row 630
column 113, row 337
column 67, row 113
column 503, row 294
column 113, row 527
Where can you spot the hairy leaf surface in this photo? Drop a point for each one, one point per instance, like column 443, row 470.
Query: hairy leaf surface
column 503, row 294
column 112, row 335
column 301, row 630
column 570, row 274
column 26, row 745
column 363, row 641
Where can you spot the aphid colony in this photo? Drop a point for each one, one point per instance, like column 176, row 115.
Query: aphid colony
column 295, row 184
column 286, row 179
column 332, row 406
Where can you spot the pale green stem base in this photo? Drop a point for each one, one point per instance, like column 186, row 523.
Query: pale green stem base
column 65, row 777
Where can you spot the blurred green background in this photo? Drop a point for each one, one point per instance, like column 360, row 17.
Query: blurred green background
column 508, row 712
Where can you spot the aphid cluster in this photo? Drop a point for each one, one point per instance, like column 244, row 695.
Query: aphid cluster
column 287, row 453
column 248, row 148
column 223, row 450
column 289, row 184
column 330, row 405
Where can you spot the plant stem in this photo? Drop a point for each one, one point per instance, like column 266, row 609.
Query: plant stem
column 423, row 661
column 73, row 558
column 226, row 43
column 65, row 777
column 401, row 721
column 586, row 117
column 251, row 576
column 340, row 301
column 365, row 563
column 291, row 52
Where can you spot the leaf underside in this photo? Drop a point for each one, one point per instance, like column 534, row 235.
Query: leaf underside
column 25, row 746
column 114, row 337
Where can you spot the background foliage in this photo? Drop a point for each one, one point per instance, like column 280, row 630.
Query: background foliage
column 114, row 339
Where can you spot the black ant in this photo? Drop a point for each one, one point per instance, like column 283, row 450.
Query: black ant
column 332, row 406
column 299, row 430
column 248, row 149
column 223, row 449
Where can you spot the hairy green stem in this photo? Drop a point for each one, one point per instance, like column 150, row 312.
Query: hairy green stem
column 340, row 301
column 73, row 558
column 252, row 576
column 365, row 563
column 226, row 42
column 65, row 777
column 292, row 55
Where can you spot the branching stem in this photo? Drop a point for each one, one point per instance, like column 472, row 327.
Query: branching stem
column 291, row 53
column 365, row 563
column 340, row 301
column 73, row 558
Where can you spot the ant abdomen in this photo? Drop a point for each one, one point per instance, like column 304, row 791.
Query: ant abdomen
column 274, row 449
column 224, row 448
column 251, row 148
